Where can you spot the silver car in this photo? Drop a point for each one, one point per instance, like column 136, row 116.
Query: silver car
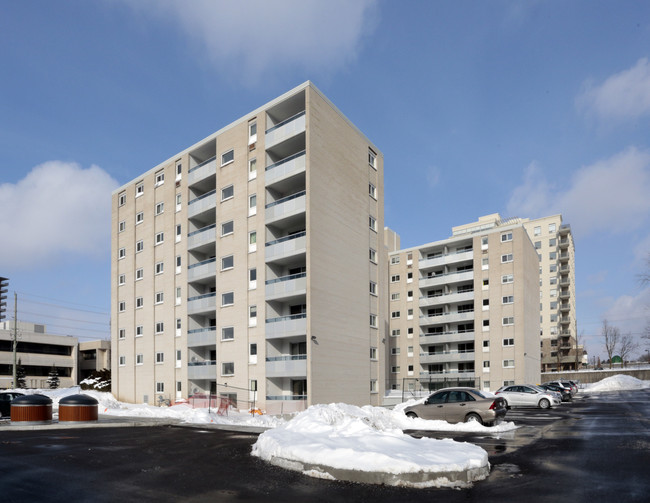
column 525, row 395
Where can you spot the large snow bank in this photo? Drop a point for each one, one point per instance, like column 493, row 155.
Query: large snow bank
column 618, row 382
column 366, row 439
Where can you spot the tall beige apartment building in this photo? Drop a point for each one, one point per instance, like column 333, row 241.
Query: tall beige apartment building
column 251, row 265
column 464, row 311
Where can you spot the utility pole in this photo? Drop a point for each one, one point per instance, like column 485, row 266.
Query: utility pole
column 15, row 335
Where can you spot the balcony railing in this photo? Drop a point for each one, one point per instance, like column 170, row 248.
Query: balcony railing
column 202, row 337
column 285, row 129
column 202, row 203
column 290, row 165
column 441, row 279
column 286, row 397
column 201, row 171
column 286, row 285
column 286, row 366
column 447, row 298
column 206, row 369
column 447, row 258
column 285, row 207
column 202, row 269
column 451, row 336
column 201, row 303
column 286, row 246
column 286, row 326
column 202, row 236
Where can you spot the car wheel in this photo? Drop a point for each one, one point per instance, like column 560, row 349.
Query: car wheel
column 544, row 403
column 473, row 418
column 412, row 415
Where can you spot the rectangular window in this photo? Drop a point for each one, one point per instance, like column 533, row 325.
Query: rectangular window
column 395, row 351
column 373, row 320
column 507, row 299
column 395, row 369
column 552, row 268
column 508, row 342
column 506, row 258
column 139, row 218
column 228, row 368
column 227, row 157
column 252, row 169
column 552, row 242
column 373, row 256
column 394, row 296
column 508, row 364
column 394, row 315
column 160, row 178
column 395, row 332
column 484, row 243
column 373, row 386
column 227, row 333
column 252, row 241
column 160, row 357
column 506, row 237
column 227, row 192
column 252, row 205
column 252, row 316
column 485, row 264
column 179, row 170
column 507, row 278
column 227, row 228
column 252, row 132
column 551, row 227
column 373, row 288
column 178, row 358
column 179, row 232
column 179, row 262
column 227, row 262
column 121, row 253
column 160, row 267
column 552, row 255
column 160, row 238
column 139, row 246
column 486, row 364
column 409, row 295
column 160, row 387
column 122, row 361
column 121, row 227
column 122, row 333
column 139, row 302
column 538, row 245
column 508, row 320
column 372, row 159
column 139, row 359
column 139, row 331
column 139, row 189
column 122, row 199
column 160, row 208
column 394, row 278
column 372, row 222
column 394, row 260
column 227, row 299
column 121, row 279
column 179, row 200
column 159, row 297
column 486, row 344
column 160, row 327
column 537, row 231
column 139, row 274
column 372, row 191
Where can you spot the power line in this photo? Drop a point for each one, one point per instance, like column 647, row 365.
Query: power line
column 61, row 305
column 65, row 307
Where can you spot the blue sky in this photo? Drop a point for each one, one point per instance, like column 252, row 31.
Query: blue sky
column 522, row 108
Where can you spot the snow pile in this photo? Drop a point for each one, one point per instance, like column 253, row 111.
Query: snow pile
column 366, row 439
column 618, row 382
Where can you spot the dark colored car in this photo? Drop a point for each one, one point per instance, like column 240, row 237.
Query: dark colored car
column 457, row 405
column 566, row 394
column 5, row 402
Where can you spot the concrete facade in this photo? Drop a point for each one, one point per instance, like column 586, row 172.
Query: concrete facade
column 249, row 265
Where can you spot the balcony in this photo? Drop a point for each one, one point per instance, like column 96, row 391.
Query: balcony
column 285, row 168
column 448, row 298
column 564, row 307
column 444, row 337
column 202, row 270
column 202, row 171
column 565, row 281
column 453, row 317
column 449, row 258
column 201, row 204
column 202, row 337
column 564, row 256
column 565, row 268
column 286, row 129
column 202, row 303
column 286, row 286
column 565, row 229
column 454, row 374
column 202, row 370
column 564, row 243
column 286, row 207
column 447, row 279
column 286, row 247
column 287, row 366
column 446, row 356
column 286, row 326
column 565, row 319
column 202, row 237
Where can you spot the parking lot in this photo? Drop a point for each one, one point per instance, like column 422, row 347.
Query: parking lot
column 594, row 449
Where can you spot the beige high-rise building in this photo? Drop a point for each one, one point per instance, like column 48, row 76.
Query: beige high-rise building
column 464, row 311
column 251, row 265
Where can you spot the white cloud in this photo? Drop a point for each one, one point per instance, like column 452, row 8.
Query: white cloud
column 252, row 38
column 58, row 208
column 610, row 195
column 625, row 95
column 630, row 313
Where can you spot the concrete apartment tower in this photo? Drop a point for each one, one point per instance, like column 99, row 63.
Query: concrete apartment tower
column 251, row 264
column 464, row 311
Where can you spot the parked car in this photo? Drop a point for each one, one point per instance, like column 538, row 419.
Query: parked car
column 565, row 394
column 564, row 384
column 457, row 405
column 527, row 395
column 5, row 402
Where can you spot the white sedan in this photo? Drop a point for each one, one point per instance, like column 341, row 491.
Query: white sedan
column 525, row 395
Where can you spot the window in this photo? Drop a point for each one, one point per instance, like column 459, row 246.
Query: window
column 409, row 295
column 122, row 333
column 252, row 241
column 160, row 238
column 252, row 169
column 252, row 278
column 160, row 296
column 552, row 255
column 160, row 208
column 538, row 245
column 227, row 192
column 409, row 332
column 139, row 189
column 537, row 231
column 178, row 358
column 252, row 132
column 394, row 260
column 227, row 368
column 552, row 268
column 373, row 288
column 486, row 282
column 484, row 243
column 252, row 351
column 160, row 357
column 506, row 237
column 373, row 353
column 139, row 331
column 226, row 228
column 409, row 277
column 139, row 302
column 179, row 170
column 252, row 316
column 486, row 344
column 395, row 351
column 551, row 227
column 508, row 364
column 228, row 333
column 394, row 296
column 179, row 261
column 553, row 280
column 372, row 159
column 227, row 262
column 485, row 263
column 139, row 246
column 395, row 369
column 506, row 258
column 139, row 274
column 179, row 200
column 395, row 332
column 508, row 342
column 508, row 299
column 394, row 278
column 160, row 178
column 160, row 327
column 409, row 314
column 486, row 364
column 139, row 218
column 373, row 320
column 409, row 351
column 373, row 386
column 486, row 324
column 372, row 191
column 508, row 320
column 121, row 227
column 122, row 361
column 227, row 299
column 160, row 387
column 121, row 253
column 373, row 256
column 252, row 205
column 121, row 279
column 160, row 267
column 179, row 324
column 372, row 223
column 122, row 199
column 394, row 315
column 179, row 232
column 227, row 157
column 507, row 278
column 552, row 242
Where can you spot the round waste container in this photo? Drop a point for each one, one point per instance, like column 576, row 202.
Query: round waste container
column 31, row 409
column 77, row 408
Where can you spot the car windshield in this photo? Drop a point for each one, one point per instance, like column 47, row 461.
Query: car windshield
column 480, row 393
column 536, row 388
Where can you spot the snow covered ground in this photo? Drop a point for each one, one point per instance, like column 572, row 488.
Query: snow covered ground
column 618, row 382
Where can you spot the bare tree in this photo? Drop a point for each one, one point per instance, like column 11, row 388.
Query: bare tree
column 627, row 347
column 611, row 336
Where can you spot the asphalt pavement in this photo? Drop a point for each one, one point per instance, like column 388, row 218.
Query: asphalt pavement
column 595, row 449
